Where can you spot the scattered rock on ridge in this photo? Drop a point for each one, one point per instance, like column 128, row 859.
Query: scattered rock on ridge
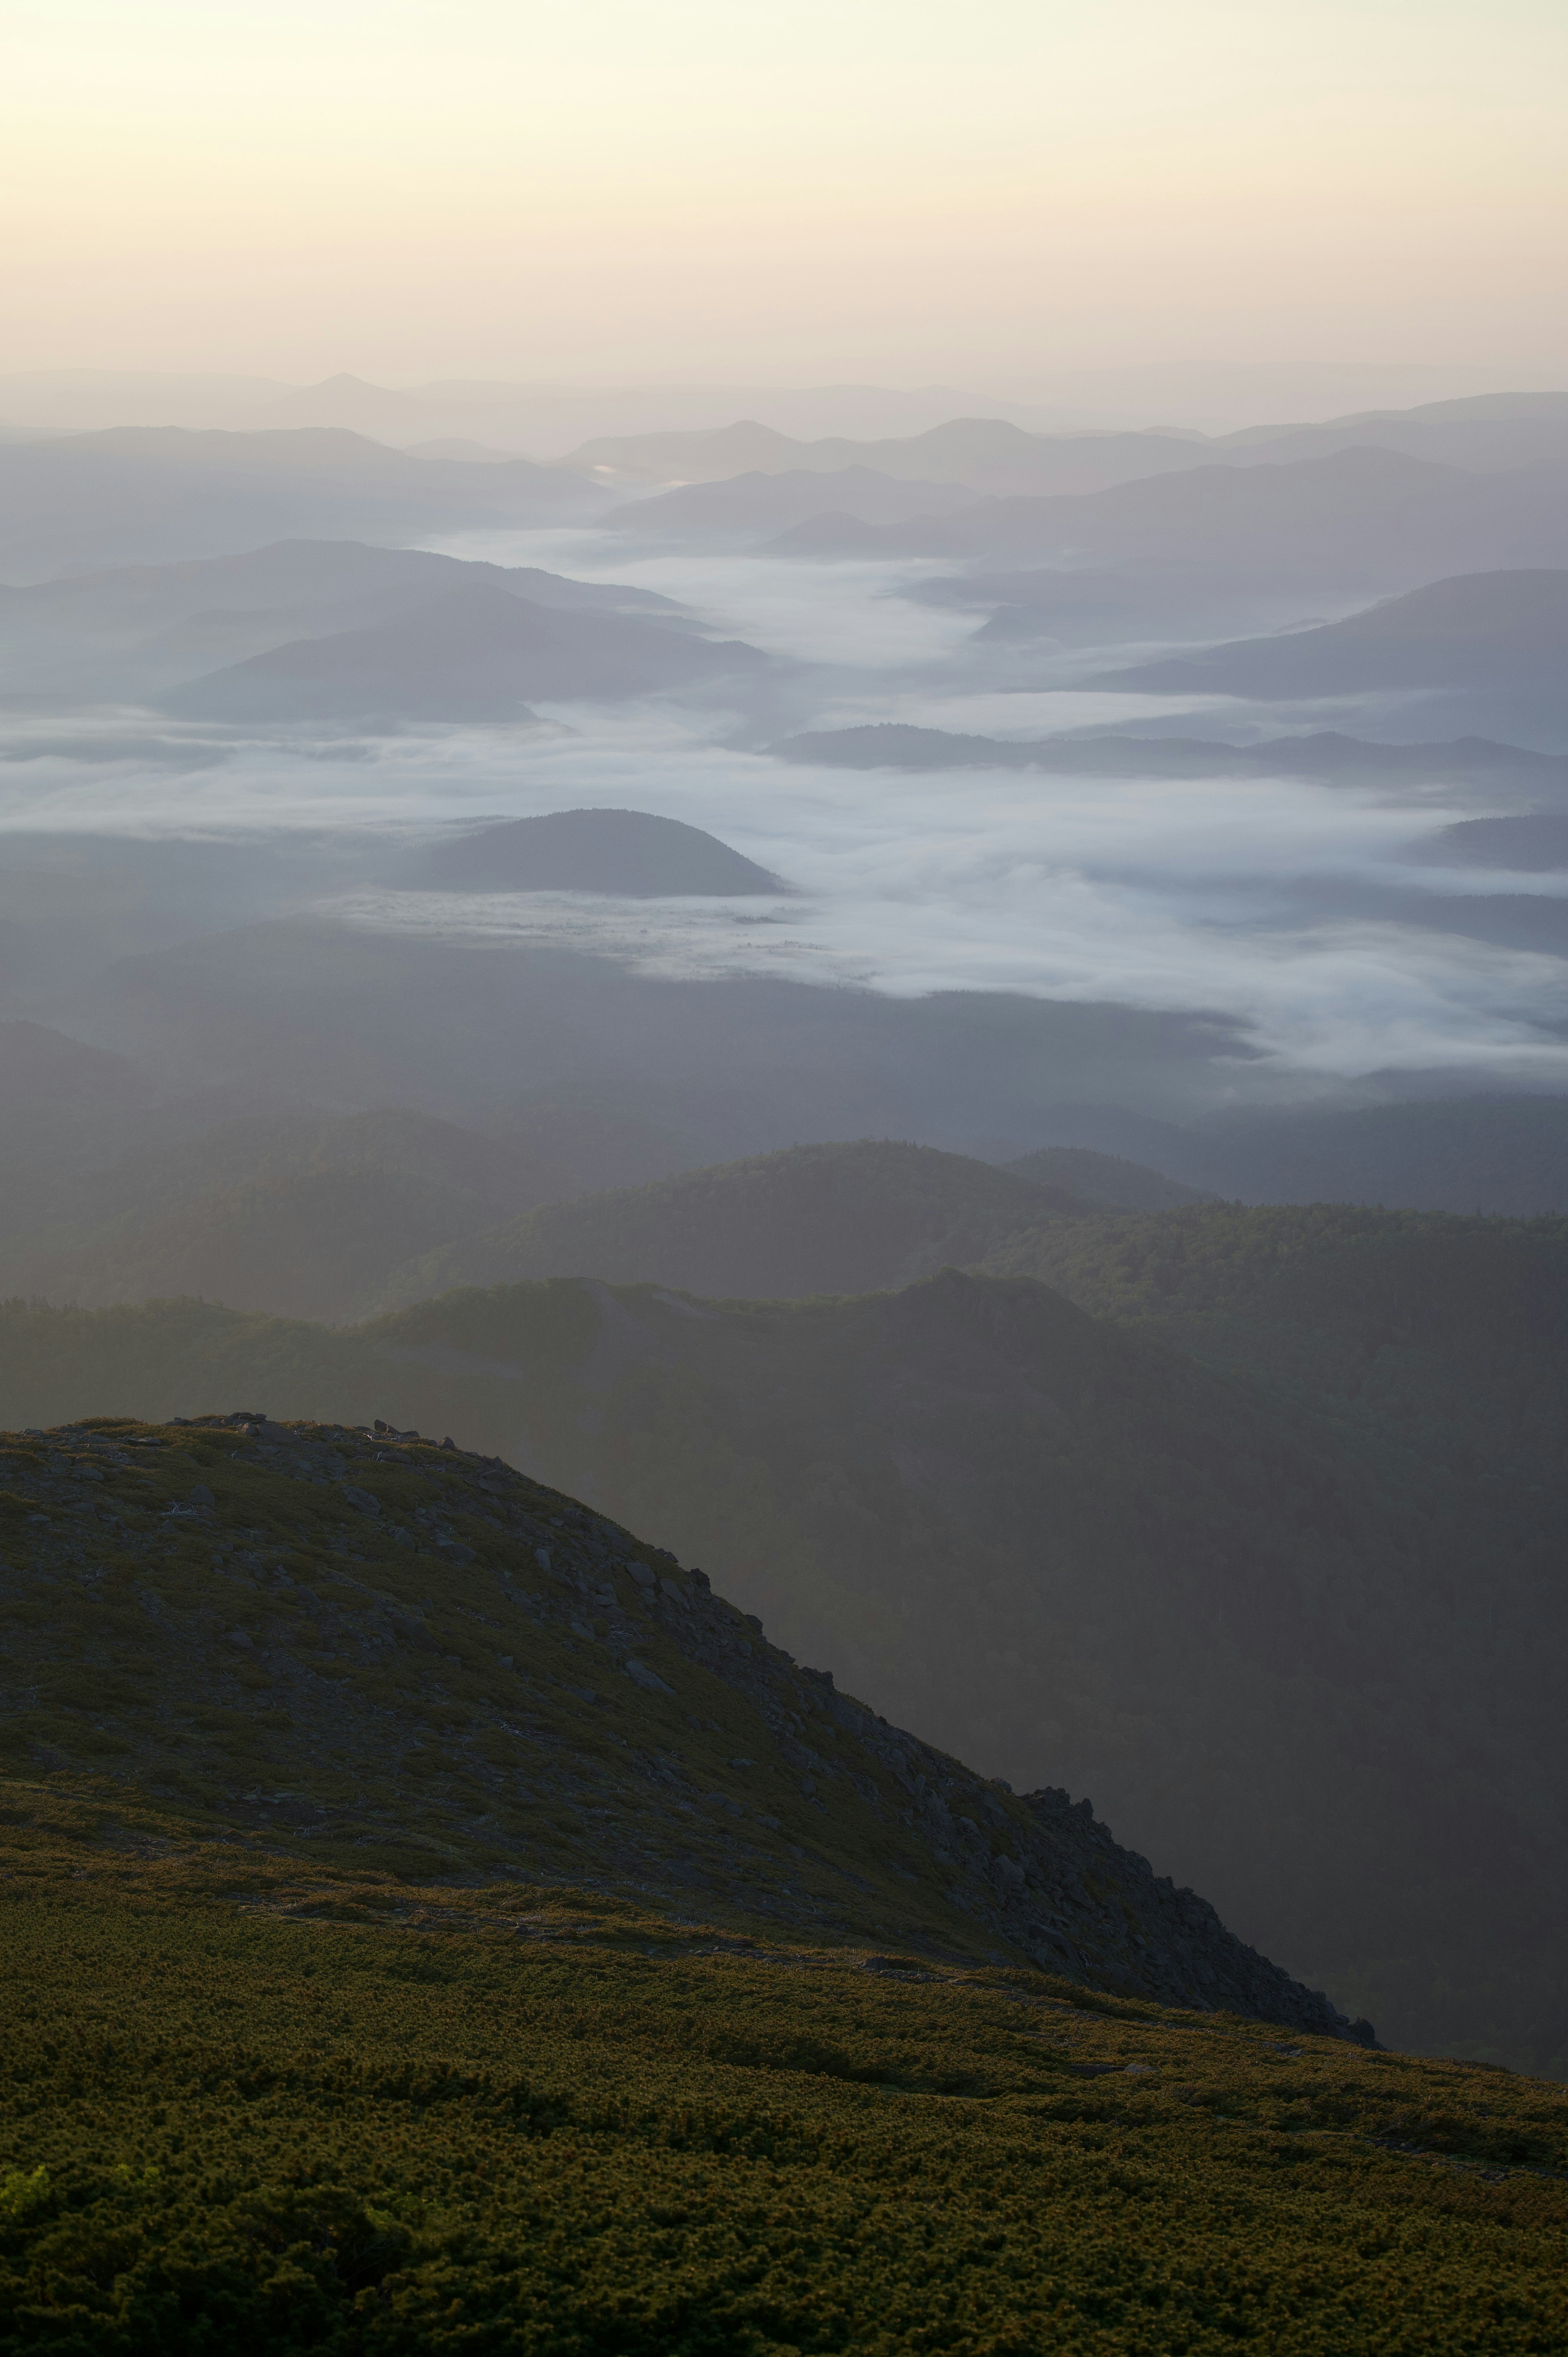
column 467, row 1677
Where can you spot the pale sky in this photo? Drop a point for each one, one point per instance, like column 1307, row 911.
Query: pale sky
column 893, row 190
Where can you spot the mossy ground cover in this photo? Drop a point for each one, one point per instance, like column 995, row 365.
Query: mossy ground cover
column 249, row 2106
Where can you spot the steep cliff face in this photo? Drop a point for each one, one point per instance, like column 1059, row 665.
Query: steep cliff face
column 399, row 1652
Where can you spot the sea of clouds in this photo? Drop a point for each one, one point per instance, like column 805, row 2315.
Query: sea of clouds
column 1215, row 893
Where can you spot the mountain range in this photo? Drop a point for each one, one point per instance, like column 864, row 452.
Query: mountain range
column 1500, row 633
column 475, row 654
column 1354, row 521
column 810, row 1220
column 144, row 495
column 1209, row 1551
column 131, row 634
column 760, row 502
column 1327, row 753
column 1489, row 434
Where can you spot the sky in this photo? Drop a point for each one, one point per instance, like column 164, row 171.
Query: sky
column 597, row 191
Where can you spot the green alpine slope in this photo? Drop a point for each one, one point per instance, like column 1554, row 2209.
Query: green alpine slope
column 279, row 2105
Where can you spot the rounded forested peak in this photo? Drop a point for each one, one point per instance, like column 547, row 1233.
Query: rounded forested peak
column 832, row 1218
column 637, row 854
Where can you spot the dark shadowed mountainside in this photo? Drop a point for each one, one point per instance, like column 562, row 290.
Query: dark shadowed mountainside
column 1312, row 1666
column 571, row 1642
column 478, row 653
column 810, row 1220
column 1495, row 1154
column 621, row 851
column 1106, row 1178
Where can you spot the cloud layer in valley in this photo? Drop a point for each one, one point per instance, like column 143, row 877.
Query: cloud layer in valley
column 1255, row 898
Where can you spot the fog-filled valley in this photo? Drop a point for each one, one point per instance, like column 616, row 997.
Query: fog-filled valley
column 967, row 1020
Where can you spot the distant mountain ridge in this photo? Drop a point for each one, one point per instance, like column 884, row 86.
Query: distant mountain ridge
column 1503, row 630
column 1241, row 1618
column 610, row 851
column 759, row 501
column 1327, row 753
column 993, row 456
column 809, row 1220
column 138, row 495
column 138, row 632
column 477, row 653
column 1106, row 1179
column 1351, row 520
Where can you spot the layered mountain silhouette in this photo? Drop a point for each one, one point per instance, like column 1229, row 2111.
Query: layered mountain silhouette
column 1244, row 1603
column 1353, row 519
column 809, row 1220
column 478, row 653
column 1488, row 632
column 759, row 501
column 982, row 454
column 615, row 851
column 135, row 631
column 296, row 1214
column 139, row 495
column 1491, row 433
column 1327, row 753
column 1106, row 1178
column 335, row 1015
column 1506, row 1155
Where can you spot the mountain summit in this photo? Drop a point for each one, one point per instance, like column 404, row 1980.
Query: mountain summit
column 410, row 1655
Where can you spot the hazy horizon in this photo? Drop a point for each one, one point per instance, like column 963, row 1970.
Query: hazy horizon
column 1005, row 197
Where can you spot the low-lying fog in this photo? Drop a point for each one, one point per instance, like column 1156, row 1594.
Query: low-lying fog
column 1268, row 899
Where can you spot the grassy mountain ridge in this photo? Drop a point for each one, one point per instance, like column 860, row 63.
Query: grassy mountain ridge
column 449, row 1668
column 807, row 1219
column 1251, row 1630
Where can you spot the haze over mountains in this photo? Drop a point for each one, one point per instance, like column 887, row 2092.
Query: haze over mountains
column 141, row 495
column 803, row 986
column 1486, row 633
column 1030, row 1528
column 477, row 653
